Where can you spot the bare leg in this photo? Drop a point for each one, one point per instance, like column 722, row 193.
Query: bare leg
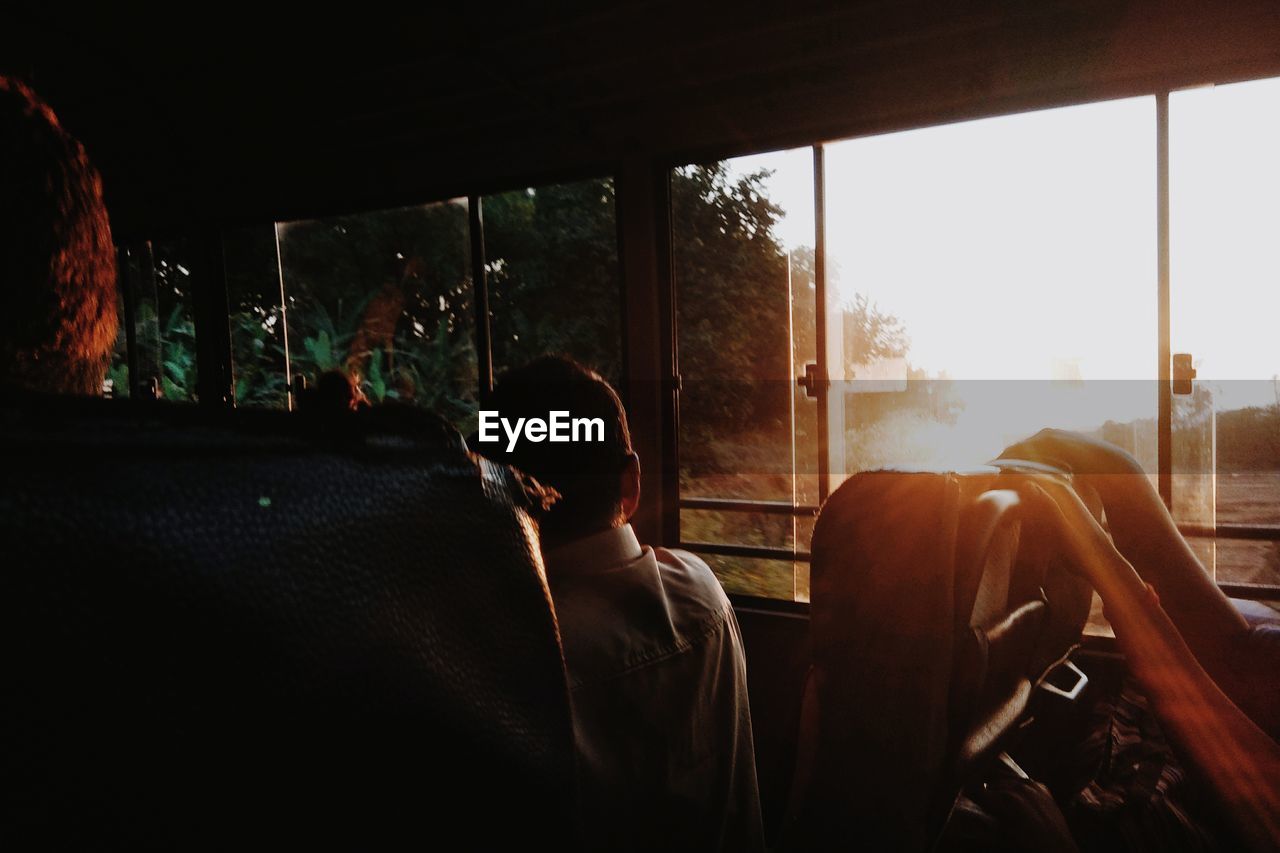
column 1240, row 763
column 1145, row 533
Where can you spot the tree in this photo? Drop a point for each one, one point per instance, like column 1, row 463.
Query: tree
column 387, row 295
column 732, row 310
column 552, row 268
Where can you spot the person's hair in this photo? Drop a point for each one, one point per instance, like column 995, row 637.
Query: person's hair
column 334, row 392
column 586, row 474
column 57, row 267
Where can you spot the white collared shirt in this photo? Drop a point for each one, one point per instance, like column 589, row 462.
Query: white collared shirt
column 658, row 684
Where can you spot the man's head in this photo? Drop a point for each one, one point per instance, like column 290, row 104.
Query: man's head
column 57, row 267
column 599, row 482
column 335, row 392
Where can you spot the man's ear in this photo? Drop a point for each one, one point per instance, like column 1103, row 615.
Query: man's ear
column 630, row 486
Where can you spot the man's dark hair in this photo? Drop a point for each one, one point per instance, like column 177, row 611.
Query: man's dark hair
column 586, row 474
column 335, row 392
column 57, row 266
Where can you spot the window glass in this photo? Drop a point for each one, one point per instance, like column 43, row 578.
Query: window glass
column 1224, row 180
column 116, row 383
column 754, row 576
column 256, row 317
column 738, row 527
column 159, row 276
column 551, row 263
column 175, row 298
column 385, row 297
column 743, row 237
column 1239, row 560
column 804, row 543
column 997, row 277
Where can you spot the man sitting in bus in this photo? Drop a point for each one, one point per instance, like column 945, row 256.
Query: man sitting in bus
column 57, row 265
column 653, row 650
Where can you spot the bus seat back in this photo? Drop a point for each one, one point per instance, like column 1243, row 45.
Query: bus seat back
column 930, row 626
column 245, row 630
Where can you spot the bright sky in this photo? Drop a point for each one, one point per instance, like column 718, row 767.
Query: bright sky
column 1224, row 240
column 1024, row 247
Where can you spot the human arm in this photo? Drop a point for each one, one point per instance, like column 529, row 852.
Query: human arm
column 1237, row 760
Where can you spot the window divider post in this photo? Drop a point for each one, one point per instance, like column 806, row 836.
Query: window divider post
column 1164, row 436
column 480, row 296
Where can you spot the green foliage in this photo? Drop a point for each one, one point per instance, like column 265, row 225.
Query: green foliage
column 552, row 269
column 117, row 379
column 258, row 358
column 320, row 349
column 732, row 305
column 386, row 296
column 178, row 355
column 167, row 352
column 747, row 325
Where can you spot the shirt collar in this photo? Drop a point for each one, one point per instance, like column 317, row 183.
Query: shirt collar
column 603, row 550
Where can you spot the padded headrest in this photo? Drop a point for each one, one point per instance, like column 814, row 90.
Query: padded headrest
column 258, row 630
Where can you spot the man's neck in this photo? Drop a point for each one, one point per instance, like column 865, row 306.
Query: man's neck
column 598, row 549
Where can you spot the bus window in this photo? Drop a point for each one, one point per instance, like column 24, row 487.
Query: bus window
column 116, row 384
column 1002, row 278
column 551, row 265
column 385, row 297
column 984, row 280
column 743, row 238
column 256, row 320
column 1224, row 301
column 158, row 276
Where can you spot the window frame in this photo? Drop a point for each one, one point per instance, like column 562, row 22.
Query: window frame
column 213, row 337
column 650, row 177
column 1164, row 415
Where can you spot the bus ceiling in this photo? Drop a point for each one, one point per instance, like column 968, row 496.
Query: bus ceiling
column 258, row 117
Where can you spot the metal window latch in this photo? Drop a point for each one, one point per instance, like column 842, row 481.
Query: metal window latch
column 1183, row 373
column 812, row 381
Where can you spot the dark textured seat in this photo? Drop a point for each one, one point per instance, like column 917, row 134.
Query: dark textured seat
column 934, row 615
column 254, row 630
